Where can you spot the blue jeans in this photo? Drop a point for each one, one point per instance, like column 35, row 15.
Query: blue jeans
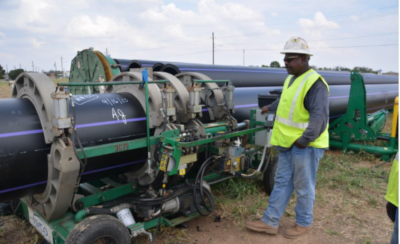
column 395, row 235
column 297, row 170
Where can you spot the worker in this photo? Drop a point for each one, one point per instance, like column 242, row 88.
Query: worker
column 300, row 133
column 392, row 196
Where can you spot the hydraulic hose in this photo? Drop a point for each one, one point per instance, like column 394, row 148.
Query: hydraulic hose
column 198, row 187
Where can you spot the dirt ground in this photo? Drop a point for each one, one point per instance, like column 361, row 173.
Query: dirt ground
column 349, row 209
column 328, row 228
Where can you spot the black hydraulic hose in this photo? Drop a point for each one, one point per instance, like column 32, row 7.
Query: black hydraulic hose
column 201, row 188
column 199, row 184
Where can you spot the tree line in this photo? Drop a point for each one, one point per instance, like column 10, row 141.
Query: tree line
column 15, row 72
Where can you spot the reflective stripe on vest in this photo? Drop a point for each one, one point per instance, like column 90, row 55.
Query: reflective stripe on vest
column 289, row 121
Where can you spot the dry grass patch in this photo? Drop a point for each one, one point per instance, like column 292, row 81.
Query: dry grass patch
column 4, row 89
column 16, row 231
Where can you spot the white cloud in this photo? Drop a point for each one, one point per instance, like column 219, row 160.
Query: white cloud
column 319, row 22
column 355, row 18
column 32, row 16
column 35, row 43
column 99, row 26
column 228, row 11
column 274, row 14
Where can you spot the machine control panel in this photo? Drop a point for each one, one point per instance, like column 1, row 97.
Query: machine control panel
column 263, row 138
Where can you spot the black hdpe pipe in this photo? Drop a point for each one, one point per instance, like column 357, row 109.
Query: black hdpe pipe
column 378, row 97
column 257, row 77
column 249, row 76
column 126, row 64
column 101, row 119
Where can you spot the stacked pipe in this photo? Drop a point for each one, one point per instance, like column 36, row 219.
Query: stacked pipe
column 252, row 81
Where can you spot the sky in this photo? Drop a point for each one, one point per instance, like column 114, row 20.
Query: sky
column 347, row 33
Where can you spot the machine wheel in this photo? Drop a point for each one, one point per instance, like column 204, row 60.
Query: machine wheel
column 269, row 175
column 99, row 229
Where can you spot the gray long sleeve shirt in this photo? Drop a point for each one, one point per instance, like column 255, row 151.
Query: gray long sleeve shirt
column 316, row 102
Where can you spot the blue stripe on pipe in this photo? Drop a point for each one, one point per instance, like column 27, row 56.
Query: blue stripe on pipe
column 85, row 173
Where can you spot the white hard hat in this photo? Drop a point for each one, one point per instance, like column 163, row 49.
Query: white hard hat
column 296, row 45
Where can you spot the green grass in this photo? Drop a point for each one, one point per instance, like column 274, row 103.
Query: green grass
column 237, row 188
column 342, row 172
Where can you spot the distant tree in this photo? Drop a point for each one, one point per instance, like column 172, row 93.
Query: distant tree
column 264, row 66
column 14, row 73
column 341, row 68
column 2, row 72
column 364, row 70
column 275, row 64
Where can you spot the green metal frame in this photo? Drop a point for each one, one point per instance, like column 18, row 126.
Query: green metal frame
column 95, row 190
column 356, row 125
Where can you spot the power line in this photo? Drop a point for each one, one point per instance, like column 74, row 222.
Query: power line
column 315, row 40
column 270, row 49
column 175, row 45
column 328, row 16
column 183, row 54
column 314, row 28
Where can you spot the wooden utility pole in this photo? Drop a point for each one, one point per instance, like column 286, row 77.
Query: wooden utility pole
column 62, row 68
column 55, row 66
column 213, row 48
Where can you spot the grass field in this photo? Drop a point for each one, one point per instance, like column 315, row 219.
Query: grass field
column 349, row 208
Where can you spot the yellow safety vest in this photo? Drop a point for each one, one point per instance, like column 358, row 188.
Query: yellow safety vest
column 392, row 193
column 292, row 117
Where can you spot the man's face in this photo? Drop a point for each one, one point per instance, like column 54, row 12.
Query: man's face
column 294, row 62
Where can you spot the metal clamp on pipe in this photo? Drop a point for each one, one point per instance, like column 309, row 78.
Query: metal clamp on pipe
column 194, row 100
column 61, row 119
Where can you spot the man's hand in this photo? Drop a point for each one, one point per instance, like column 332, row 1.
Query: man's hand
column 264, row 110
column 298, row 144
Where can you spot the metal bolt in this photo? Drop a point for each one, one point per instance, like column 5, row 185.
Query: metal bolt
column 79, row 205
column 101, row 198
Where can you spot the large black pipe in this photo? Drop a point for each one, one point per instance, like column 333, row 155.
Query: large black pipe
column 378, row 97
column 249, row 76
column 100, row 118
column 126, row 64
column 257, row 77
